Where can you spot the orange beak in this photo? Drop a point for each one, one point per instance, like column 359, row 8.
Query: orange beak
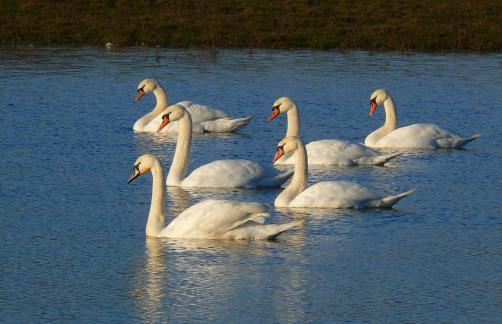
column 373, row 106
column 165, row 121
column 275, row 113
column 139, row 94
column 280, row 152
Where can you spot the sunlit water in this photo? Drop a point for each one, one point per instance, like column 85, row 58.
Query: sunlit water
column 73, row 244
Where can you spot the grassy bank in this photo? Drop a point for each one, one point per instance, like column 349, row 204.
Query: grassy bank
column 422, row 25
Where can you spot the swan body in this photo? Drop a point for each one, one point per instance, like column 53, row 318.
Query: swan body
column 416, row 136
column 221, row 173
column 336, row 152
column 327, row 151
column 326, row 194
column 209, row 219
column 205, row 119
column 235, row 174
column 344, row 194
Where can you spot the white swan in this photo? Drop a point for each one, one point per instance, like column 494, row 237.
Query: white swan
column 326, row 194
column 221, row 173
column 327, row 151
column 418, row 136
column 209, row 219
column 205, row 119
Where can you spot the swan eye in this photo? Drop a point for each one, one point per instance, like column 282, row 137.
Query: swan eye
column 166, row 116
column 276, row 107
column 140, row 89
column 136, row 167
column 373, row 100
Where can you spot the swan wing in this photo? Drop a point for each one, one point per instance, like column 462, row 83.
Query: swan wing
column 343, row 194
column 201, row 113
column 229, row 174
column 215, row 218
column 422, row 136
column 204, row 119
column 225, row 125
column 337, row 152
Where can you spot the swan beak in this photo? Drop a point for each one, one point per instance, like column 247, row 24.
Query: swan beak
column 275, row 113
column 373, row 106
column 139, row 94
column 280, row 152
column 165, row 121
column 134, row 176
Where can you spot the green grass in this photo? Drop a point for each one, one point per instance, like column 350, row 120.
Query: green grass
column 416, row 25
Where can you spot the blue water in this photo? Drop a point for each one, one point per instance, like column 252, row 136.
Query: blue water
column 72, row 236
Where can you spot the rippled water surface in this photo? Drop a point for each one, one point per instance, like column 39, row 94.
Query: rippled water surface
column 72, row 231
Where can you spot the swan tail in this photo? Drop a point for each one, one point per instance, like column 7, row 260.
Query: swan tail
column 391, row 200
column 225, row 125
column 464, row 141
column 376, row 160
column 277, row 180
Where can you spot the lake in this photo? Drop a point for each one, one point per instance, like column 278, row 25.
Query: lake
column 73, row 243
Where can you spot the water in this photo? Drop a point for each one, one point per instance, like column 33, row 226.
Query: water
column 72, row 230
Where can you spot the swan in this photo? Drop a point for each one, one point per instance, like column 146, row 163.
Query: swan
column 220, row 173
column 418, row 136
column 326, row 151
column 205, row 119
column 326, row 194
column 209, row 219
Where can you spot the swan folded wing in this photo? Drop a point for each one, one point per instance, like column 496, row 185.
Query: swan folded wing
column 225, row 173
column 225, row 125
column 215, row 218
column 334, row 152
column 425, row 136
column 336, row 194
column 201, row 113
column 273, row 177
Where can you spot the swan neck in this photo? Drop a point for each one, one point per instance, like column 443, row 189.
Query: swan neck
column 293, row 122
column 298, row 182
column 161, row 97
column 389, row 125
column 180, row 160
column 156, row 222
column 390, row 114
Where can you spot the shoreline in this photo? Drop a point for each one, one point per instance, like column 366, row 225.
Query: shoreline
column 372, row 25
column 32, row 47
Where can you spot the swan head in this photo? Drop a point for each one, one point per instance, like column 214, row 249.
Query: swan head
column 287, row 145
column 281, row 105
column 144, row 87
column 377, row 98
column 142, row 165
column 172, row 113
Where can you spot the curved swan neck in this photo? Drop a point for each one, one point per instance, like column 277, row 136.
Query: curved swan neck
column 390, row 114
column 180, row 160
column 299, row 181
column 161, row 97
column 156, row 221
column 293, row 122
column 389, row 125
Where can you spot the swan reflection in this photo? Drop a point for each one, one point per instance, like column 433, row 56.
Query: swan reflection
column 202, row 278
